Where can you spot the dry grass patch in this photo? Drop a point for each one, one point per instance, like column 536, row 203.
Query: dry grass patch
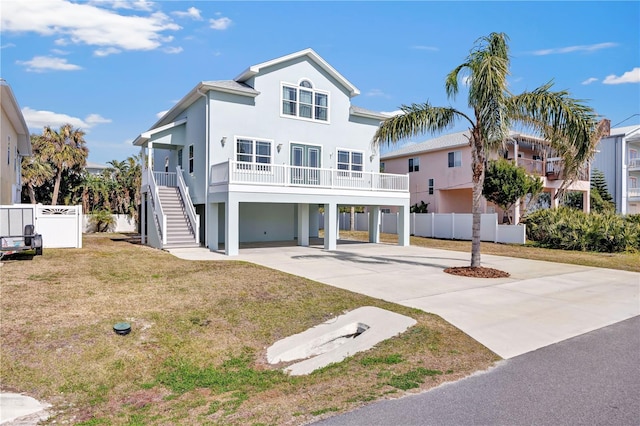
column 196, row 353
column 624, row 261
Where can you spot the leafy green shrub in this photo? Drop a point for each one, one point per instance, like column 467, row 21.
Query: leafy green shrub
column 102, row 220
column 570, row 229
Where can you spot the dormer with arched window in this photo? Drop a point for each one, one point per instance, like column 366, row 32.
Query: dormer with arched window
column 303, row 101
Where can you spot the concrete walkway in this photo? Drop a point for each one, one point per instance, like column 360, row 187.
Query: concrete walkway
column 540, row 304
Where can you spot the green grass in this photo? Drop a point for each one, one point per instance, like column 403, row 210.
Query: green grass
column 196, row 352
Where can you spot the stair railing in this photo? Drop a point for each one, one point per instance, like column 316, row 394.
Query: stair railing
column 194, row 219
column 156, row 206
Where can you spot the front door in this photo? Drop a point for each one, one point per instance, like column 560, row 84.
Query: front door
column 304, row 159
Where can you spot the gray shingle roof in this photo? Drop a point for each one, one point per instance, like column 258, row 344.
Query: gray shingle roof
column 435, row 144
column 451, row 140
column 231, row 85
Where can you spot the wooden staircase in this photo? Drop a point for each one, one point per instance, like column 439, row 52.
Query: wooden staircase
column 179, row 233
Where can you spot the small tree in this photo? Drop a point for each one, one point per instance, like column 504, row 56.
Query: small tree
column 102, row 220
column 505, row 184
column 422, row 208
column 601, row 199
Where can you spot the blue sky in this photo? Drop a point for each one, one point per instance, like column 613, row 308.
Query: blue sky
column 110, row 67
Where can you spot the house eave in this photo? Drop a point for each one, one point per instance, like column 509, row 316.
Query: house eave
column 255, row 69
column 14, row 113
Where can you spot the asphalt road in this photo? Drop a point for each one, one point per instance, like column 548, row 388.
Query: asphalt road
column 592, row 379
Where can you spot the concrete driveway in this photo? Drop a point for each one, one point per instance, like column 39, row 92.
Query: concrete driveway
column 541, row 303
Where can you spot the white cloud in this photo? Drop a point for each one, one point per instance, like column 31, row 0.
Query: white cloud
column 106, row 51
column 571, row 49
column 173, row 50
column 59, row 52
column 377, row 92
column 632, row 76
column 220, row 23
column 429, row 48
column 392, row 113
column 589, row 80
column 124, row 4
column 85, row 23
column 38, row 119
column 48, row 63
column 192, row 13
column 161, row 113
column 5, row 46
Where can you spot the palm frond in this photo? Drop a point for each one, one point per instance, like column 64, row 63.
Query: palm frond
column 416, row 120
column 570, row 126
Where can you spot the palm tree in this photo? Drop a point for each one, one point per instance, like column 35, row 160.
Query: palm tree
column 65, row 149
column 568, row 125
column 35, row 171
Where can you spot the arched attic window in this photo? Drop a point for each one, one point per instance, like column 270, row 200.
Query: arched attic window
column 302, row 101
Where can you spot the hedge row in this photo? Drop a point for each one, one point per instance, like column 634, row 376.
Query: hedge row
column 570, row 229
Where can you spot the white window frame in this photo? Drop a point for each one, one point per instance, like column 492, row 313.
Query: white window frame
column 457, row 159
column 253, row 164
column 431, row 183
column 349, row 171
column 297, row 101
column 414, row 164
column 191, row 155
column 633, row 182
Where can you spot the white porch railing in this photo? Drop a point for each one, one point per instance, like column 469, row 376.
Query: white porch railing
column 634, row 163
column 633, row 193
column 237, row 172
column 160, row 218
column 194, row 220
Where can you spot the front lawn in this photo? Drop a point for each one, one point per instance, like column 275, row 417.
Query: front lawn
column 196, row 353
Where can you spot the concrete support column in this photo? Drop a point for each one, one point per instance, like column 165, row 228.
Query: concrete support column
column 516, row 212
column 374, row 224
column 314, row 220
column 303, row 225
column 586, row 202
column 232, row 226
column 403, row 226
column 554, row 201
column 330, row 226
column 212, row 226
column 143, row 218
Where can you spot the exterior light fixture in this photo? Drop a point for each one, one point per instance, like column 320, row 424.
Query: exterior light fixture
column 279, row 147
column 223, row 141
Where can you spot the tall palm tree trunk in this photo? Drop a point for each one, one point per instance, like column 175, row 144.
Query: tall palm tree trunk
column 56, row 187
column 477, row 168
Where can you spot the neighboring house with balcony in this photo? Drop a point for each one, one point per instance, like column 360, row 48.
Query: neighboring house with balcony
column 15, row 143
column 618, row 158
column 254, row 159
column 440, row 171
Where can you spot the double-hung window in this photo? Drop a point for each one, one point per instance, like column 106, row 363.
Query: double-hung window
column 414, row 164
column 253, row 154
column 303, row 101
column 455, row 159
column 190, row 158
column 430, row 186
column 350, row 163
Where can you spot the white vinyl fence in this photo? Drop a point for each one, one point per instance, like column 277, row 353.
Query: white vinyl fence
column 123, row 223
column 60, row 226
column 455, row 226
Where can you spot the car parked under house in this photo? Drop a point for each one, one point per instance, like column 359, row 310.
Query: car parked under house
column 254, row 159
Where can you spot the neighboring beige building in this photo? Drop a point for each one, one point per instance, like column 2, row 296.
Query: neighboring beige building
column 14, row 144
column 440, row 171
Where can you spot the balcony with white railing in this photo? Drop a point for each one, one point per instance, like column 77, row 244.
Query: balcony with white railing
column 634, row 164
column 237, row 172
column 633, row 194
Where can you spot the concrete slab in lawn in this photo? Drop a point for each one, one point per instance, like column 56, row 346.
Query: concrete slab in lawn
column 541, row 303
column 21, row 409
